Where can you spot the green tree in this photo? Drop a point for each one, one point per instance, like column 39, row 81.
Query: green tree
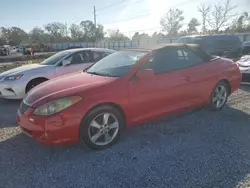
column 116, row 35
column 76, row 32
column 143, row 36
column 91, row 32
column 56, row 31
column 192, row 26
column 204, row 10
column 171, row 22
column 13, row 36
column 99, row 35
column 37, row 35
column 157, row 36
column 242, row 22
column 221, row 15
column 4, row 36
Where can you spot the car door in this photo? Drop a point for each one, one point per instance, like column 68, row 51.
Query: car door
column 163, row 92
column 78, row 62
column 201, row 73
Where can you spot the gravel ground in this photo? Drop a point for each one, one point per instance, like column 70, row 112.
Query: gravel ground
column 196, row 149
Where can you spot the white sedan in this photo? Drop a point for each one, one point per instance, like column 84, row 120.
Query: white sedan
column 244, row 65
column 15, row 83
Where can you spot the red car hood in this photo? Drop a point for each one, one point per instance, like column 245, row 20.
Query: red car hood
column 72, row 84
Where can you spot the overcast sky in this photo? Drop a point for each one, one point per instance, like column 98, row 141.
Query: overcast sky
column 137, row 15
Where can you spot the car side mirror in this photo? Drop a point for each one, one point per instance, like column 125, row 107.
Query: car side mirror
column 146, row 73
column 65, row 62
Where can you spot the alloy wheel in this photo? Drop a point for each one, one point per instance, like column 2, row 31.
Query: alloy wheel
column 103, row 129
column 219, row 96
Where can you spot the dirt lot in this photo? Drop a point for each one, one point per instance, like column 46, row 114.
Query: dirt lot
column 20, row 57
column 196, row 149
column 7, row 66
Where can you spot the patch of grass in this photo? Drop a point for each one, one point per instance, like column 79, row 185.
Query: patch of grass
column 244, row 183
column 11, row 65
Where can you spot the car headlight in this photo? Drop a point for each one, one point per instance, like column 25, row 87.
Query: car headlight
column 13, row 77
column 57, row 105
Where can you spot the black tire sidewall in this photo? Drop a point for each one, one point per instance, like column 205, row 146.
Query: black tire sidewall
column 84, row 137
column 212, row 106
column 31, row 83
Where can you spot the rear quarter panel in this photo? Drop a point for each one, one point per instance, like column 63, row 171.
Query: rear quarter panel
column 207, row 75
column 231, row 72
column 226, row 69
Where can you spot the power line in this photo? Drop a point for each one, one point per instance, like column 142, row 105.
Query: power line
column 118, row 4
column 138, row 15
column 148, row 29
column 94, row 16
column 131, row 18
column 111, row 5
column 134, row 17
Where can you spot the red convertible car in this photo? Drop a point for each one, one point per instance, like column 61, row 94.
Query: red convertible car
column 128, row 87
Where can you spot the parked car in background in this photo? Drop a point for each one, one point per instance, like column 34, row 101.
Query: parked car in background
column 126, row 88
column 15, row 83
column 246, row 48
column 27, row 50
column 20, row 48
column 12, row 50
column 221, row 45
column 244, row 64
column 3, row 51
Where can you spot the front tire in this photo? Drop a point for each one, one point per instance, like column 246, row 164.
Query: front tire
column 219, row 96
column 101, row 127
column 34, row 83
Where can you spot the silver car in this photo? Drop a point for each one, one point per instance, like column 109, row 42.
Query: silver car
column 15, row 83
column 244, row 65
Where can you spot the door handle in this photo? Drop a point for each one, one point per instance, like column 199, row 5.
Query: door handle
column 187, row 78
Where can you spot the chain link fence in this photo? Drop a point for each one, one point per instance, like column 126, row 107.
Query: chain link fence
column 118, row 45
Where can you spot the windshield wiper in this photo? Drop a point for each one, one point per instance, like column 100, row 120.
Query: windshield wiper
column 101, row 74
column 96, row 73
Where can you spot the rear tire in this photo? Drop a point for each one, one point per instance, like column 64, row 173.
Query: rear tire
column 219, row 96
column 101, row 127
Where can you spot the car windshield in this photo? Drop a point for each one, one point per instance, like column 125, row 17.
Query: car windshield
column 116, row 64
column 55, row 58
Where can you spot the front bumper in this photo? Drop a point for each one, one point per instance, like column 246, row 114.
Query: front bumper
column 245, row 71
column 50, row 130
column 12, row 90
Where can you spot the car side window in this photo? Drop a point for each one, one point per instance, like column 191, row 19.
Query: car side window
column 189, row 40
column 188, row 57
column 99, row 55
column 147, row 64
column 181, row 40
column 79, row 57
column 165, row 60
column 171, row 59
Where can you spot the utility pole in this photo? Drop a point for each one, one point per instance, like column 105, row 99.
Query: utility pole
column 95, row 22
column 66, row 29
column 94, row 16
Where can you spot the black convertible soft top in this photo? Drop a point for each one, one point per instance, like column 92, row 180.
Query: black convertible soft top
column 194, row 47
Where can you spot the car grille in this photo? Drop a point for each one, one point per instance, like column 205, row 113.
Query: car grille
column 245, row 77
column 23, row 107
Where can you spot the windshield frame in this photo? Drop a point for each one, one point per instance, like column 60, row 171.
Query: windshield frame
column 58, row 61
column 100, row 73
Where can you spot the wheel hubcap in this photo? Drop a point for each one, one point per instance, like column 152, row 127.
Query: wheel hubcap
column 103, row 129
column 219, row 96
